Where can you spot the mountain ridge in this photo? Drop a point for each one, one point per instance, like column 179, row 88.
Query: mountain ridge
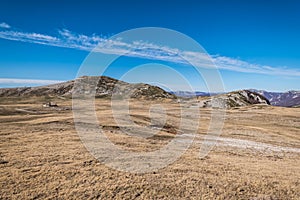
column 103, row 86
column 233, row 99
column 290, row 98
column 286, row 99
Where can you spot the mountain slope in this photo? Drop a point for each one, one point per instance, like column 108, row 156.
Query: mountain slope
column 286, row 99
column 103, row 86
column 233, row 99
column 99, row 86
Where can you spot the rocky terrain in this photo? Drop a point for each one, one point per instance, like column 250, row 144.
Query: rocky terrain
column 108, row 87
column 233, row 99
column 286, row 99
column 99, row 86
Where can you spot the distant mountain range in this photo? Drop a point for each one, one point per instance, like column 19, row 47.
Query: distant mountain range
column 286, row 99
column 193, row 94
column 106, row 87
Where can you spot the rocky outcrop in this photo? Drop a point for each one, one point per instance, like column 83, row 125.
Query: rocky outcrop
column 99, row 86
column 286, row 99
column 233, row 99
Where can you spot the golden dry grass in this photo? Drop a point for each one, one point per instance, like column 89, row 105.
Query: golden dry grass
column 42, row 156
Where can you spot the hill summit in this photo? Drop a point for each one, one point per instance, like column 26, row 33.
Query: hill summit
column 100, row 86
column 233, row 99
column 103, row 86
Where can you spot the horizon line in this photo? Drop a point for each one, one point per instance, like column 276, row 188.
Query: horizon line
column 45, row 82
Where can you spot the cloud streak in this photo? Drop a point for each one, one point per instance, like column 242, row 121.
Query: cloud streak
column 8, row 81
column 140, row 49
column 4, row 25
column 242, row 66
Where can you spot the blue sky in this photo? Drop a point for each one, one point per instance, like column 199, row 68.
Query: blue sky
column 254, row 43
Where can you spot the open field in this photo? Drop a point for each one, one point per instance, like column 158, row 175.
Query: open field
column 41, row 155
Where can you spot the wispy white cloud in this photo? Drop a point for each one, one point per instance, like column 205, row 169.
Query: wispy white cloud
column 141, row 49
column 4, row 25
column 27, row 81
column 242, row 66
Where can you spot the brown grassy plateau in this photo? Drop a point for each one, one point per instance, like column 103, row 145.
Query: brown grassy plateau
column 42, row 157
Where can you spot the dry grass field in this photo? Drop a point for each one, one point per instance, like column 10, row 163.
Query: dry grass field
column 42, row 156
